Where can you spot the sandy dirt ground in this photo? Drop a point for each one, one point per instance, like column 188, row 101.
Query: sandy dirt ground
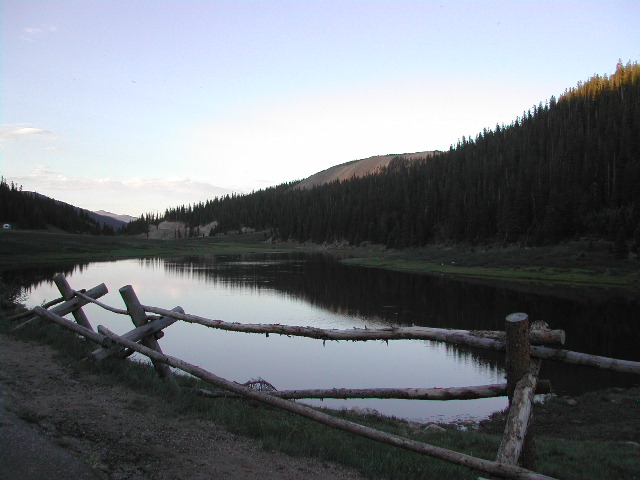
column 124, row 435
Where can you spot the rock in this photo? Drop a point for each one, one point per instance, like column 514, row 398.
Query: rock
column 572, row 402
column 432, row 428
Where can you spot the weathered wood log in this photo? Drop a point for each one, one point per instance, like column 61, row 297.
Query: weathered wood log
column 494, row 468
column 517, row 364
column 109, row 308
column 30, row 313
column 451, row 393
column 68, row 293
column 539, row 334
column 139, row 318
column 518, row 353
column 70, row 305
column 585, row 359
column 459, row 337
column 84, row 331
column 138, row 333
column 518, row 419
column 479, row 338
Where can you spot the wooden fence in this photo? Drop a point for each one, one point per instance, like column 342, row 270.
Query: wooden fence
column 525, row 346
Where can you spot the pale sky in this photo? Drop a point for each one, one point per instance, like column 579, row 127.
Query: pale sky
column 136, row 106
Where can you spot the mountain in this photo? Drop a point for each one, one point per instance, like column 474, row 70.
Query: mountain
column 110, row 220
column 101, row 219
column 567, row 168
column 34, row 211
column 360, row 168
column 122, row 218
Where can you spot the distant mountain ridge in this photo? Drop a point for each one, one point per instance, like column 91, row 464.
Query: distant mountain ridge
column 122, row 218
column 359, row 168
column 103, row 218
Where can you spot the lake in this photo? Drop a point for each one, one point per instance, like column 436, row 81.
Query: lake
column 317, row 290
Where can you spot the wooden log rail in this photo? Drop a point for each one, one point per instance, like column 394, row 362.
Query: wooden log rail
column 471, row 338
column 516, row 455
column 450, row 393
column 488, row 339
column 494, row 468
column 69, row 305
column 109, row 340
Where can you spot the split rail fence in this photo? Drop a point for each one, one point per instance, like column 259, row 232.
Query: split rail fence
column 525, row 346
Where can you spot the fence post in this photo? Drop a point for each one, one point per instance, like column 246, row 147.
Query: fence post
column 139, row 318
column 68, row 293
column 517, row 363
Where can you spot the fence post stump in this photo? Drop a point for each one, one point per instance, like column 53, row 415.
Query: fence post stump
column 68, row 293
column 139, row 318
column 517, row 364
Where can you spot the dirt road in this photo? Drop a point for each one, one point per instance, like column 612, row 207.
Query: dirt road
column 56, row 419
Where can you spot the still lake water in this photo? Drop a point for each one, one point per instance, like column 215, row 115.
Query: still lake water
column 316, row 290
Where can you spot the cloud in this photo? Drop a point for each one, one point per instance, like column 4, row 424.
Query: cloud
column 33, row 34
column 133, row 196
column 21, row 131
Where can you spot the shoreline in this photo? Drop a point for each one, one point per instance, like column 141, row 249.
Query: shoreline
column 582, row 264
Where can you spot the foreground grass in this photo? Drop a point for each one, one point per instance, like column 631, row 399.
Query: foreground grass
column 283, row 431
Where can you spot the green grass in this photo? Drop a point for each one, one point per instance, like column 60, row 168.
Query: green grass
column 578, row 264
column 20, row 248
column 297, row 436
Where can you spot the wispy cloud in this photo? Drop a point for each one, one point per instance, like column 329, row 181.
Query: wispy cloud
column 132, row 196
column 23, row 131
column 33, row 34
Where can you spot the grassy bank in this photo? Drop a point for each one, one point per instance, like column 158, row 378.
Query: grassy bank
column 580, row 264
column 591, row 454
column 38, row 248
column 576, row 264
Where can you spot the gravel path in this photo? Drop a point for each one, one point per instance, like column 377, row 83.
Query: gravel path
column 54, row 419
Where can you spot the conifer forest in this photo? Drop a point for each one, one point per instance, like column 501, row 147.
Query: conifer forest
column 567, row 168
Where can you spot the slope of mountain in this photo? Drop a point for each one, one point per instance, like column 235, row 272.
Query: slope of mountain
column 567, row 168
column 103, row 220
column 34, row 211
column 359, row 168
column 122, row 218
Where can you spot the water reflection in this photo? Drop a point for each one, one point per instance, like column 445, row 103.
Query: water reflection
column 317, row 290
column 393, row 298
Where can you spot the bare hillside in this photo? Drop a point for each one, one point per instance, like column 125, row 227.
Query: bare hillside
column 358, row 168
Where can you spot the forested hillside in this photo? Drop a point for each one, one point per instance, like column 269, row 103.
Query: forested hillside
column 569, row 167
column 32, row 211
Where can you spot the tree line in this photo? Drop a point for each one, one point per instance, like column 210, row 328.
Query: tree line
column 29, row 210
column 567, row 168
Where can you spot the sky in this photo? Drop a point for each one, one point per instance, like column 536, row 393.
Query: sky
column 135, row 106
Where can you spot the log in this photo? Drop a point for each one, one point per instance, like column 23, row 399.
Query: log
column 585, row 359
column 478, row 338
column 138, row 333
column 84, row 331
column 517, row 365
column 68, row 293
column 30, row 313
column 452, row 393
column 495, row 468
column 69, row 306
column 518, row 353
column 519, row 416
column 139, row 318
column 460, row 337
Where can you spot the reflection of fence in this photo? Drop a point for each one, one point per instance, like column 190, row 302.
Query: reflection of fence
column 524, row 346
